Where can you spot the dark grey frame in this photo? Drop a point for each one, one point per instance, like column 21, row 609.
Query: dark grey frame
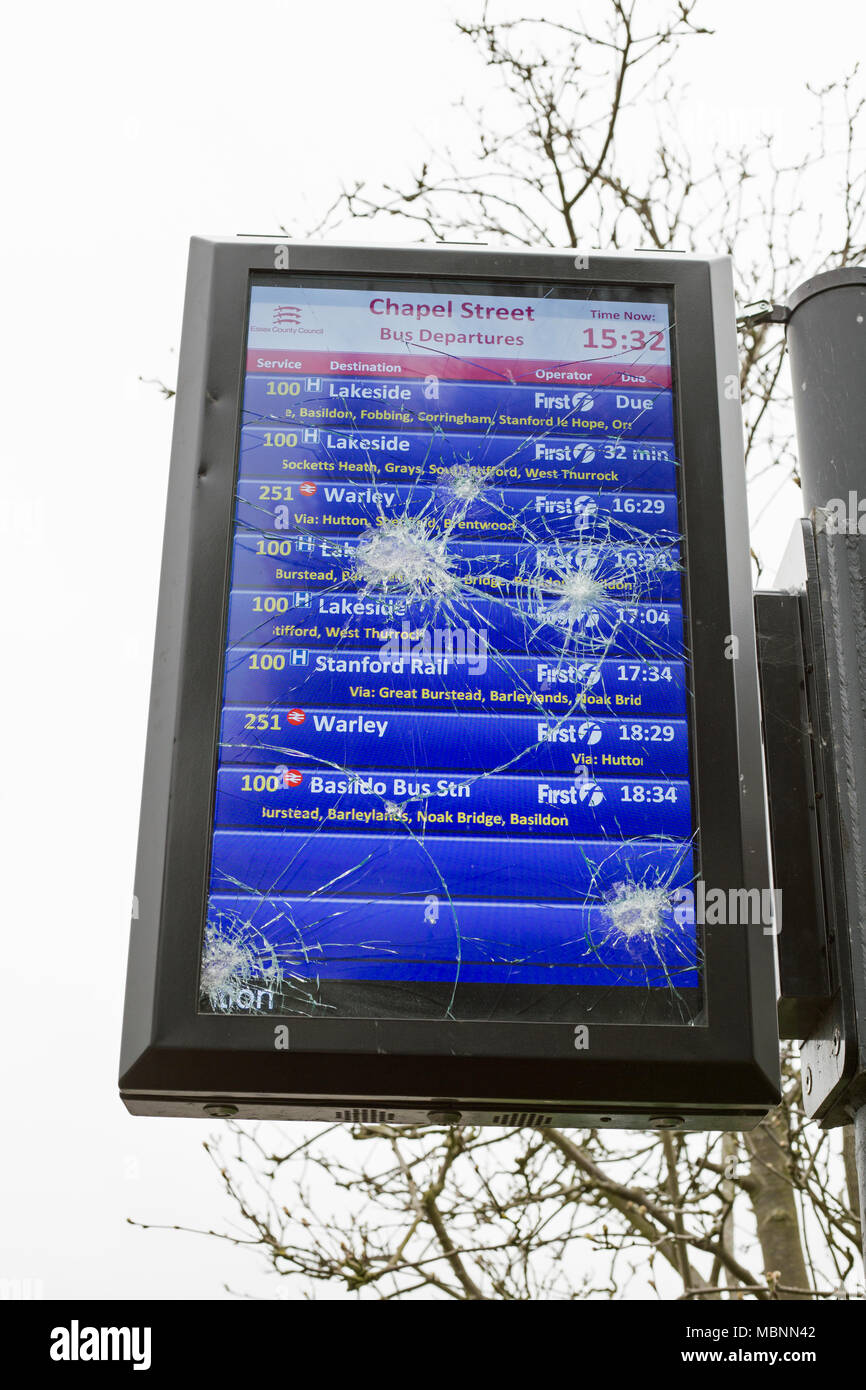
column 175, row 1060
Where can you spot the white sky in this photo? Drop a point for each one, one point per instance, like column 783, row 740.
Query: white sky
column 127, row 130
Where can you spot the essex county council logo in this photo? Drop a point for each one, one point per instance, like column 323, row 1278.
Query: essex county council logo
column 286, row 313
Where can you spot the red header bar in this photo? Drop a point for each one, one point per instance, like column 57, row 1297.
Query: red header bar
column 503, row 371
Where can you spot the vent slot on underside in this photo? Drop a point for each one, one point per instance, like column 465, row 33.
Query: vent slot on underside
column 521, row 1118
column 366, row 1117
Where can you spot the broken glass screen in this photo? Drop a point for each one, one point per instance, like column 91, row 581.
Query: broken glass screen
column 453, row 773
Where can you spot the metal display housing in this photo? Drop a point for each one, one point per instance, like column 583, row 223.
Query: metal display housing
column 719, row 1074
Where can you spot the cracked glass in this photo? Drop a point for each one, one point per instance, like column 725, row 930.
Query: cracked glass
column 454, row 773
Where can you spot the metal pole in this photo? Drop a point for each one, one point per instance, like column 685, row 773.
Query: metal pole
column 827, row 344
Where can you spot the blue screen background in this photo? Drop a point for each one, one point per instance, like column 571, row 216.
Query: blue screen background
column 454, row 745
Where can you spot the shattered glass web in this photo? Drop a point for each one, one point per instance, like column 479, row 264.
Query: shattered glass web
column 343, row 881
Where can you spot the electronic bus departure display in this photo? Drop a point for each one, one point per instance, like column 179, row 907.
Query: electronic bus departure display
column 453, row 775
